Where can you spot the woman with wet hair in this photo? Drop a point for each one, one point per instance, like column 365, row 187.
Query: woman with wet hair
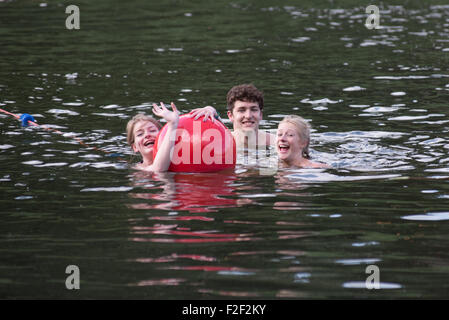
column 292, row 143
column 141, row 134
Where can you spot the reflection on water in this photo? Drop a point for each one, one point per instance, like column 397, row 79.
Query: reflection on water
column 183, row 194
column 376, row 100
column 192, row 192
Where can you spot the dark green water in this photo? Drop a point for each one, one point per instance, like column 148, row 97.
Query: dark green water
column 376, row 99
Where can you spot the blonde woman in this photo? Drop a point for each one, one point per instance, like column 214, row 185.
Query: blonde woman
column 141, row 133
column 292, row 143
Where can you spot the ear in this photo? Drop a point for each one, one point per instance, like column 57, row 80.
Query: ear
column 230, row 116
column 303, row 146
column 134, row 147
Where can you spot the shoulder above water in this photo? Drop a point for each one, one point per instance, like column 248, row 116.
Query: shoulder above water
column 318, row 165
column 307, row 164
column 141, row 166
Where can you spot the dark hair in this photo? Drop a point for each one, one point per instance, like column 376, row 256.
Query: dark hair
column 244, row 92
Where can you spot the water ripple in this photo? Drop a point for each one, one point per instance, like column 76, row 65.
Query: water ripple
column 431, row 216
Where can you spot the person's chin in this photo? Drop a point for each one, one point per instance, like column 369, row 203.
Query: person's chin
column 248, row 128
column 284, row 156
column 148, row 153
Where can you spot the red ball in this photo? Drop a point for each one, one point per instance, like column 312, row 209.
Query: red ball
column 200, row 146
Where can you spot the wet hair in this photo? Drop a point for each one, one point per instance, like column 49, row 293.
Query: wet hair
column 302, row 128
column 131, row 124
column 244, row 92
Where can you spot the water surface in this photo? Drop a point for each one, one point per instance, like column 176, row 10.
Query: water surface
column 376, row 99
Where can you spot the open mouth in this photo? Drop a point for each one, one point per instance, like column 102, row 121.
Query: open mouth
column 283, row 148
column 149, row 143
column 248, row 123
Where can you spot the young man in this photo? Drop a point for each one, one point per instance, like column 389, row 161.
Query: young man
column 245, row 110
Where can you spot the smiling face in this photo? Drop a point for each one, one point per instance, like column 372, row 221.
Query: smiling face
column 145, row 133
column 289, row 144
column 245, row 115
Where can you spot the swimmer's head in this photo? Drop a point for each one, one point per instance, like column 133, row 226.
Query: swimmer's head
column 245, row 104
column 302, row 129
column 130, row 137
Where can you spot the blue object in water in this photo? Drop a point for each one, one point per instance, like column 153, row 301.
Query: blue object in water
column 25, row 118
column 113, row 155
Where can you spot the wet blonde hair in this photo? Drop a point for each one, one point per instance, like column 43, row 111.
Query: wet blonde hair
column 131, row 124
column 302, row 128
